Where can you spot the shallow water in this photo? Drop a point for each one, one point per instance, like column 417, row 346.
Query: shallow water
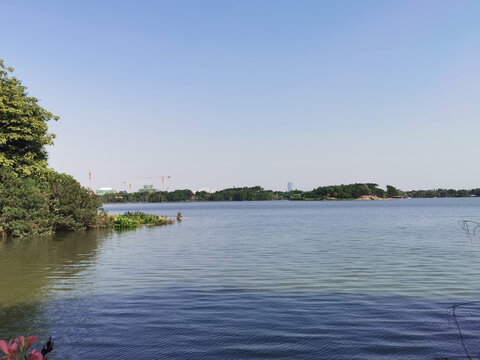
column 253, row 280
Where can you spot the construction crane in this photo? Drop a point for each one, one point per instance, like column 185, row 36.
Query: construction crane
column 130, row 183
column 163, row 180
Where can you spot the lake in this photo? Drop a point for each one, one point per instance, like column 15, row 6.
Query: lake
column 254, row 280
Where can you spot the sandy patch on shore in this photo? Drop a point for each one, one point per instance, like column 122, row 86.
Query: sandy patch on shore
column 369, row 197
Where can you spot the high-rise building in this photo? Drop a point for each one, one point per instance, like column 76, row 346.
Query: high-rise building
column 289, row 186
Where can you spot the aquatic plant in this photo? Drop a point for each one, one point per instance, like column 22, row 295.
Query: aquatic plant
column 134, row 219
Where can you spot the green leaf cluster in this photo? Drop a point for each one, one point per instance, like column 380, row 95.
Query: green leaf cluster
column 255, row 193
column 443, row 193
column 134, row 219
column 24, row 206
column 34, row 199
column 343, row 192
column 153, row 197
column 23, row 128
column 34, row 206
column 72, row 207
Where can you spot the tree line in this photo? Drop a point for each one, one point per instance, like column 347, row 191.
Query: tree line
column 442, row 193
column 255, row 193
column 258, row 193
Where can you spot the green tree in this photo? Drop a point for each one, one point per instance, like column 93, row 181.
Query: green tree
column 23, row 206
column 34, row 199
column 392, row 191
column 72, row 207
column 23, row 127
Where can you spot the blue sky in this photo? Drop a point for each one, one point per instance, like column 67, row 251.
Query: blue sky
column 240, row 93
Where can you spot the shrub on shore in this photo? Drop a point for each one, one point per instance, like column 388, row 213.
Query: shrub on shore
column 73, row 207
column 33, row 206
column 24, row 208
column 30, row 206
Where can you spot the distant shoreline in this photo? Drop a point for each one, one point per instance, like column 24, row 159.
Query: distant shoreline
column 357, row 191
column 273, row 200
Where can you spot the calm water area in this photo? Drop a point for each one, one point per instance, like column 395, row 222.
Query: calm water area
column 253, row 280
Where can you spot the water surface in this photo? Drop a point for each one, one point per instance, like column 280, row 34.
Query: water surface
column 253, row 280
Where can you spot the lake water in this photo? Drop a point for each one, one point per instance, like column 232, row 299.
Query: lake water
column 254, row 280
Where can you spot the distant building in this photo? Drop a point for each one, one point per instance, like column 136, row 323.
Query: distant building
column 289, row 186
column 105, row 190
column 147, row 188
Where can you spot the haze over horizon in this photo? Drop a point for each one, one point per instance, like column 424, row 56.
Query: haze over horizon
column 220, row 94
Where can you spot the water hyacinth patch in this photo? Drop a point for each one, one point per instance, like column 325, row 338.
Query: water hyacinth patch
column 134, row 219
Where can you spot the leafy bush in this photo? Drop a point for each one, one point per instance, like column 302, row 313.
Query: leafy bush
column 24, row 206
column 33, row 206
column 23, row 128
column 72, row 207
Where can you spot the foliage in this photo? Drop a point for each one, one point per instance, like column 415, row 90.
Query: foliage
column 124, row 222
column 202, row 196
column 233, row 194
column 134, row 219
column 104, row 219
column 343, row 192
column 35, row 200
column 392, row 191
column 18, row 349
column 24, row 206
column 179, row 195
column 23, row 128
column 332, row 192
column 73, row 207
column 242, row 194
column 153, row 196
column 443, row 193
column 32, row 206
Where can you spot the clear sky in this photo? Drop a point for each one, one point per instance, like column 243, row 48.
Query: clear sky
column 240, row 93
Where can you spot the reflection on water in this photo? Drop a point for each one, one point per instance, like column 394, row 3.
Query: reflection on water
column 31, row 268
column 36, row 269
